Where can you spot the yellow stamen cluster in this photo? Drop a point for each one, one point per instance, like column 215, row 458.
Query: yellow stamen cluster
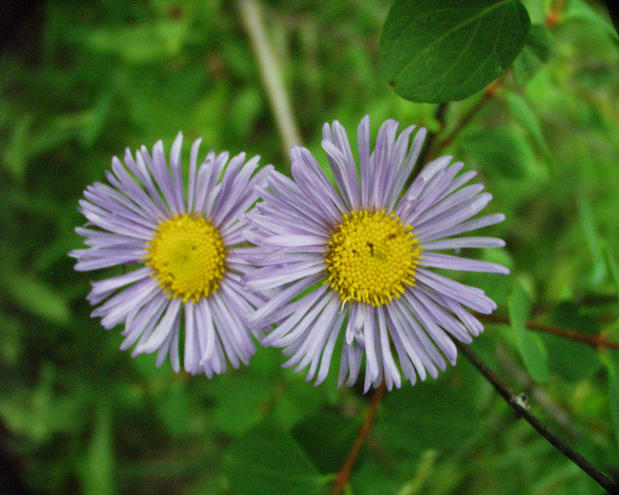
column 372, row 257
column 187, row 256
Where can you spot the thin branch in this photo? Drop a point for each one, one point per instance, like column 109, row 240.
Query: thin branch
column 271, row 74
column 342, row 477
column 593, row 340
column 519, row 405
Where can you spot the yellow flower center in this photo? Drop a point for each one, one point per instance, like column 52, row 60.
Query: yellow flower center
column 187, row 256
column 372, row 257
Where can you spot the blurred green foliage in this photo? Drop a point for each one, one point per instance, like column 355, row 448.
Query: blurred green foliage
column 80, row 81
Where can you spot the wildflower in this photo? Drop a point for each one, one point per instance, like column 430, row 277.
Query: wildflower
column 183, row 251
column 359, row 258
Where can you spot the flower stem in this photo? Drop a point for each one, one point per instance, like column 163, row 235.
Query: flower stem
column 271, row 74
column 593, row 340
column 344, row 474
column 518, row 403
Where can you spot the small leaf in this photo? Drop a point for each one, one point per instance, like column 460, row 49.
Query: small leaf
column 612, row 267
column 267, row 461
column 17, row 151
column 528, row 120
column 611, row 361
column 572, row 361
column 98, row 469
column 38, row 298
column 592, row 237
column 443, row 50
column 530, row 346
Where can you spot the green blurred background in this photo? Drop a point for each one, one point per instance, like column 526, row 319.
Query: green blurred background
column 80, row 81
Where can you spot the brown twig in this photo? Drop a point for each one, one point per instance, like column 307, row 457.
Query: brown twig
column 520, row 407
column 595, row 341
column 342, row 477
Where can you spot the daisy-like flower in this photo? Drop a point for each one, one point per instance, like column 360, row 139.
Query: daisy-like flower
column 359, row 258
column 183, row 250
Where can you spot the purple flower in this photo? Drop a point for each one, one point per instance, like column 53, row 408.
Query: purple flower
column 184, row 251
column 358, row 258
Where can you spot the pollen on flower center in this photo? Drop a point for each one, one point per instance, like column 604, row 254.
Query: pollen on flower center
column 372, row 256
column 187, row 256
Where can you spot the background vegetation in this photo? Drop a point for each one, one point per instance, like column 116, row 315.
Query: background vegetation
column 80, row 81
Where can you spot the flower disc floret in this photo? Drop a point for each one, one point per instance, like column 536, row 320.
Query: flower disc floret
column 372, row 257
column 187, row 256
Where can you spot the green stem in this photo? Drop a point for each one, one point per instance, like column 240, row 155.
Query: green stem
column 271, row 74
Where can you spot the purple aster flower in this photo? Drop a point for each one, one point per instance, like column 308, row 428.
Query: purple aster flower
column 184, row 250
column 359, row 258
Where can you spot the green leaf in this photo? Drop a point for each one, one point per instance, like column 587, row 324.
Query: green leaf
column 140, row 43
column 98, row 469
column 430, row 416
column 580, row 10
column 592, row 237
column 266, row 461
column 16, row 153
column 38, row 298
column 530, row 346
column 612, row 366
column 572, row 361
column 612, row 266
column 327, row 439
column 443, row 50
column 498, row 150
column 534, row 55
column 240, row 401
column 527, row 118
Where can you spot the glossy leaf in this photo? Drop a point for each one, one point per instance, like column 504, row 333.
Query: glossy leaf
column 443, row 50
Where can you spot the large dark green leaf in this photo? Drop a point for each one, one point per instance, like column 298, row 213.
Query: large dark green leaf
column 267, row 461
column 442, row 50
